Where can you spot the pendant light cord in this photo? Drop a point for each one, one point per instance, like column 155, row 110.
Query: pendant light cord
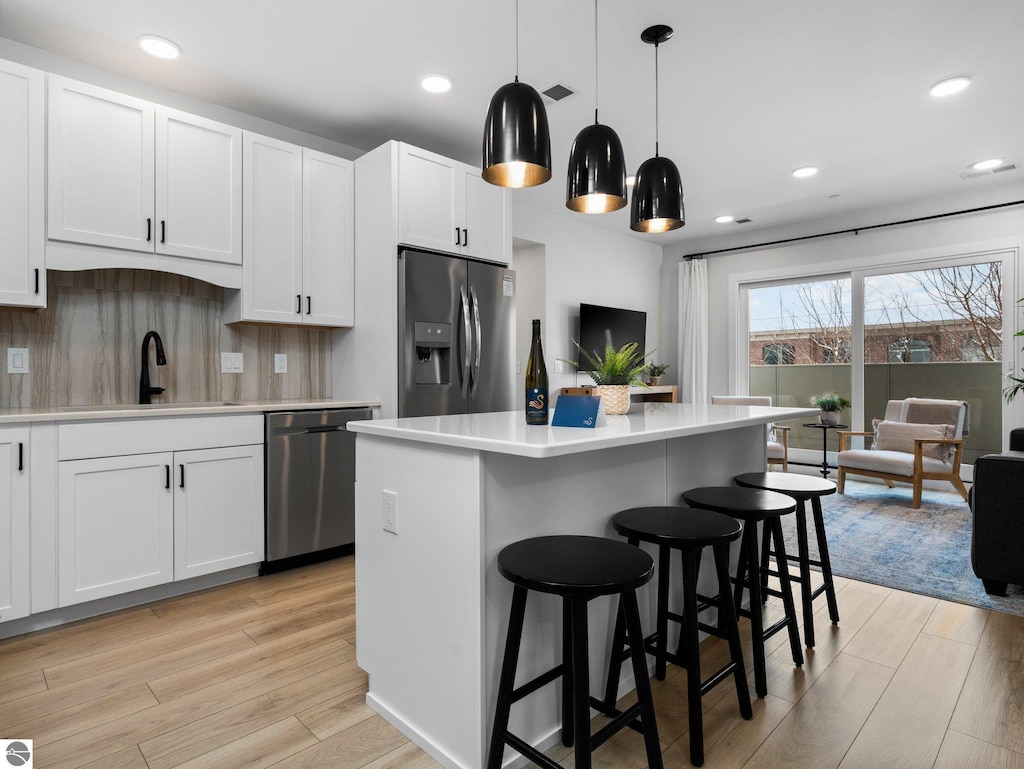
column 657, row 117
column 597, row 89
column 517, row 40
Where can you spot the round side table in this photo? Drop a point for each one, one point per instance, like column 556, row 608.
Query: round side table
column 824, row 443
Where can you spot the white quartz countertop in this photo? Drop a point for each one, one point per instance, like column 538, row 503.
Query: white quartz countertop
column 78, row 413
column 506, row 432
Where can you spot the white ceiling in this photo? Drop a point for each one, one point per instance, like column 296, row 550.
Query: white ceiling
column 750, row 89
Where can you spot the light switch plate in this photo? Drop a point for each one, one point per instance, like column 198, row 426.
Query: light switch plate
column 389, row 511
column 559, row 366
column 231, row 363
column 17, row 360
column 280, row 363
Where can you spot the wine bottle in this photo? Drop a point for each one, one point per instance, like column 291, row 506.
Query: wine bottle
column 536, row 382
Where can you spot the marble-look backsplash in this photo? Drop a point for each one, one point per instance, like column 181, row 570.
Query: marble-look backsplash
column 85, row 347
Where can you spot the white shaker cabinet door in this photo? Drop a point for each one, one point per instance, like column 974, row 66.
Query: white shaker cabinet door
column 328, row 240
column 115, row 526
column 14, row 524
column 198, row 188
column 100, row 167
column 272, row 223
column 430, row 205
column 218, row 509
column 22, row 234
column 488, row 233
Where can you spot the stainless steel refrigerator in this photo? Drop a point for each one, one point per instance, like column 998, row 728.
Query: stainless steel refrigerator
column 456, row 345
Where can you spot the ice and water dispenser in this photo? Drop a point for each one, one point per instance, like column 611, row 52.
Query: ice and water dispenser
column 433, row 353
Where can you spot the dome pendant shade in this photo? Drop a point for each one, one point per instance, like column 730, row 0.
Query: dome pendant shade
column 596, row 183
column 517, row 143
column 657, row 197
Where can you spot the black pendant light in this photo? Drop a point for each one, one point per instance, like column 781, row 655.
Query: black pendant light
column 517, row 143
column 596, row 183
column 658, row 191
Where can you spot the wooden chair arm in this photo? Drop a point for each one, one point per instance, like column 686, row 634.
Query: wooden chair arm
column 845, row 435
column 958, row 443
column 783, row 437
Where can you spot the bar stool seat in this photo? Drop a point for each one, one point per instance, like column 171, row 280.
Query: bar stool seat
column 577, row 569
column 688, row 530
column 803, row 488
column 753, row 506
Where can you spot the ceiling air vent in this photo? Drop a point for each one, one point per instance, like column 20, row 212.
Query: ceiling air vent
column 745, row 220
column 975, row 174
column 557, row 92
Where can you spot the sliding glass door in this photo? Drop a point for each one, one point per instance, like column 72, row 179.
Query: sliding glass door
column 929, row 330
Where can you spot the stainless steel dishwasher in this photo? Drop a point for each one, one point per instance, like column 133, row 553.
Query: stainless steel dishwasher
column 310, row 477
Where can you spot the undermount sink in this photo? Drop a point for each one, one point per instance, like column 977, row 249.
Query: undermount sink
column 148, row 406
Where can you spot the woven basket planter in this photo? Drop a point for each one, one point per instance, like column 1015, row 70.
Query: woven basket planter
column 615, row 398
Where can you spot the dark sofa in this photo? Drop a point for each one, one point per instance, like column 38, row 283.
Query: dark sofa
column 997, row 505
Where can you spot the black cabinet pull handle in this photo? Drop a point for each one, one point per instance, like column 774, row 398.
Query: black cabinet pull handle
column 149, row 229
column 182, row 469
column 167, row 476
column 37, row 280
column 163, row 231
column 458, row 237
column 465, row 236
column 309, row 305
column 21, row 457
column 298, row 304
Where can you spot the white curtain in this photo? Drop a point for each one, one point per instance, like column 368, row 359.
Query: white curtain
column 693, row 331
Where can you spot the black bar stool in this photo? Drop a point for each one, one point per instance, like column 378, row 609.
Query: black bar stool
column 753, row 506
column 689, row 531
column 578, row 569
column 803, row 488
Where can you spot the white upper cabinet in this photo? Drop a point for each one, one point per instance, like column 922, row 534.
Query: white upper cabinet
column 22, row 267
column 299, row 236
column 126, row 174
column 445, row 205
column 198, row 188
column 14, row 523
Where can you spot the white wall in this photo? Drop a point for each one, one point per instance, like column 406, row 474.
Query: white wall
column 531, row 302
column 61, row 65
column 953, row 236
column 584, row 263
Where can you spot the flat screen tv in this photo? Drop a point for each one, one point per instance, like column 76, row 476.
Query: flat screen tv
column 597, row 322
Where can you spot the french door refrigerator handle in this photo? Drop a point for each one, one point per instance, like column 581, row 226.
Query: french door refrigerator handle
column 466, row 359
column 479, row 342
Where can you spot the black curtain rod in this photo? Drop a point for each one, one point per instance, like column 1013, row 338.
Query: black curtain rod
column 854, row 230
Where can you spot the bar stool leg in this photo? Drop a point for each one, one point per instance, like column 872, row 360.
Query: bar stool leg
column 741, row 567
column 805, row 571
column 611, row 690
column 756, row 612
column 581, row 684
column 568, row 733
column 664, row 565
column 766, row 552
column 826, row 562
column 787, row 592
column 727, row 622
column 643, row 685
column 692, row 657
column 508, row 677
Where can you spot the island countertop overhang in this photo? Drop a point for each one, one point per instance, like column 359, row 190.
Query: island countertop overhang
column 506, row 432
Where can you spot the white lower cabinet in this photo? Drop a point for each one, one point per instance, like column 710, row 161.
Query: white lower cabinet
column 218, row 510
column 115, row 526
column 14, row 523
column 163, row 512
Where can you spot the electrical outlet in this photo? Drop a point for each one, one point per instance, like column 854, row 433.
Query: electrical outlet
column 17, row 360
column 519, row 367
column 280, row 363
column 231, row 363
column 390, row 511
column 559, row 366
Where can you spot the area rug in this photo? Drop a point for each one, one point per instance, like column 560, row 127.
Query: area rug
column 875, row 536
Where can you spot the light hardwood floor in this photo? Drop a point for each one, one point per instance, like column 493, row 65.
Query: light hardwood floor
column 262, row 673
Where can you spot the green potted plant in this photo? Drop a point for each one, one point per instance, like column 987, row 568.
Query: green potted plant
column 613, row 373
column 655, row 371
column 830, row 405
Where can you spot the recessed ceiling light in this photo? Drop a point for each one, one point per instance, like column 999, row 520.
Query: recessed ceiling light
column 987, row 163
column 724, row 219
column 436, row 84
column 160, row 47
column 950, row 86
column 804, row 171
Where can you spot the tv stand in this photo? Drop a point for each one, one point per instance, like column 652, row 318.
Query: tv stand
column 655, row 394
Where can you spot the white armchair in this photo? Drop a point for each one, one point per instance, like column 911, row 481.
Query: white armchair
column 777, row 436
column 920, row 439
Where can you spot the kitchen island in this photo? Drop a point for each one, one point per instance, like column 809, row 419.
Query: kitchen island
column 431, row 608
